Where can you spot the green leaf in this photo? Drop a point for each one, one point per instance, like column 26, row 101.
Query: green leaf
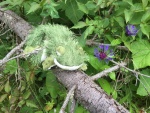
column 128, row 14
column 105, row 22
column 4, row 3
column 82, row 7
column 145, row 3
column 138, row 16
column 80, row 24
column 34, row 6
column 112, row 75
column 95, row 62
column 11, row 67
column 2, row 97
column 52, row 85
column 140, row 53
column 49, row 10
column 120, row 21
column 26, row 94
column 90, row 5
column 7, row 87
column 39, row 112
column 145, row 29
column 88, row 31
column 144, row 86
column 115, row 42
column 146, row 17
column 31, row 104
column 105, row 85
column 72, row 11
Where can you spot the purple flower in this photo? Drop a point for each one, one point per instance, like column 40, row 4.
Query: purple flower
column 131, row 30
column 103, row 53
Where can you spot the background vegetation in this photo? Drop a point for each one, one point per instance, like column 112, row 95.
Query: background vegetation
column 26, row 88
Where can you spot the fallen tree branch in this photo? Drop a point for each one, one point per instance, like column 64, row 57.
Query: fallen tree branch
column 89, row 94
column 105, row 72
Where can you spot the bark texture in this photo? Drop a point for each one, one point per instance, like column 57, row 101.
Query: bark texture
column 15, row 23
column 89, row 94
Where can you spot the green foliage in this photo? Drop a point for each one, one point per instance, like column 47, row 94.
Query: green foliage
column 101, row 21
column 140, row 54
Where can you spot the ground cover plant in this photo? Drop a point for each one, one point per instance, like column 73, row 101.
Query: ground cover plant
column 108, row 32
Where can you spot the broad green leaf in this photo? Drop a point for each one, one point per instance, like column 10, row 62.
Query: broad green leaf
column 26, row 94
column 115, row 42
column 145, row 29
column 88, row 31
column 146, row 17
column 90, row 5
column 2, row 97
column 145, row 3
column 30, row 103
column 120, row 21
column 4, row 3
column 52, row 85
column 105, row 85
column 112, row 75
column 22, row 102
column 136, row 17
column 105, row 22
column 140, row 54
column 144, row 86
column 129, row 2
column 11, row 67
column 99, row 2
column 7, row 87
column 72, row 11
column 82, row 7
column 95, row 62
column 137, row 7
column 128, row 14
column 80, row 24
column 34, row 6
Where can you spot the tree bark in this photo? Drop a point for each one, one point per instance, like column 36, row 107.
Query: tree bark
column 88, row 93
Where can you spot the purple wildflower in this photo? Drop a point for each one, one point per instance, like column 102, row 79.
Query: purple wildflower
column 131, row 30
column 103, row 53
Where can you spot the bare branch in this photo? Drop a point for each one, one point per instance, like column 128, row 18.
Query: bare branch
column 70, row 93
column 105, row 72
column 11, row 53
column 133, row 71
column 91, row 42
column 21, row 55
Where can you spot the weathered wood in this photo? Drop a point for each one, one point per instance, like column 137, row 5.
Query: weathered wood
column 89, row 94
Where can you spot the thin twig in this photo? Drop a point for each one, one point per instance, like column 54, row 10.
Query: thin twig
column 73, row 104
column 91, row 42
column 70, row 93
column 135, row 74
column 105, row 72
column 133, row 71
column 22, row 55
column 5, row 32
column 11, row 53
